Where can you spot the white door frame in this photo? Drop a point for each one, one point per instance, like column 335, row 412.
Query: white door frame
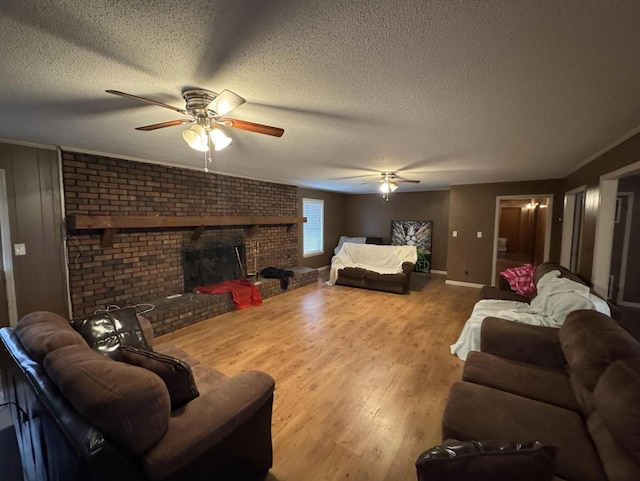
column 7, row 252
column 604, row 227
column 568, row 219
column 625, row 251
column 496, row 227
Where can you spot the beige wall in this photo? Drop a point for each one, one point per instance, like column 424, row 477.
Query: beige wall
column 335, row 224
column 621, row 156
column 369, row 215
column 472, row 208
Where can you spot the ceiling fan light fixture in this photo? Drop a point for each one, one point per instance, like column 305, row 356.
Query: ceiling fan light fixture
column 196, row 137
column 219, row 139
column 387, row 186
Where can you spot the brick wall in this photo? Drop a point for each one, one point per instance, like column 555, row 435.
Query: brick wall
column 146, row 264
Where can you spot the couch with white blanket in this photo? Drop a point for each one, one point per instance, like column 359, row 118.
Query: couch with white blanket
column 383, row 268
column 556, row 297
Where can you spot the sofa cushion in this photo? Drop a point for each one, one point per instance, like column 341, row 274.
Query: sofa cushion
column 617, row 401
column 475, row 412
column 618, row 465
column 108, row 330
column 591, row 342
column 529, row 380
column 42, row 332
column 175, row 373
column 130, row 405
column 495, row 460
column 355, row 272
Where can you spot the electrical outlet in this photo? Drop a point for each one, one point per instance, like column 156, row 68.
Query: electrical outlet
column 19, row 249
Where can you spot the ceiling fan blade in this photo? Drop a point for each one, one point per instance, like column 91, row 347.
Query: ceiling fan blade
column 149, row 101
column 170, row 123
column 225, row 102
column 251, row 127
column 406, row 180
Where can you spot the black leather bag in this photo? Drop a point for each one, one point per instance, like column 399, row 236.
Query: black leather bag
column 487, row 461
column 108, row 330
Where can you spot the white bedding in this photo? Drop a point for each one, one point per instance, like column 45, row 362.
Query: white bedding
column 556, row 298
column 376, row 258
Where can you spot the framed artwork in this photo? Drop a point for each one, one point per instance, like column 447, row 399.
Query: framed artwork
column 414, row 233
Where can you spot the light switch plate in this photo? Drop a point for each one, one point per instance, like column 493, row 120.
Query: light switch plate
column 20, row 249
column 479, row 234
column 455, row 233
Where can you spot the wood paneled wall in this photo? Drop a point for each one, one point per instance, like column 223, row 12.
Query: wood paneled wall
column 35, row 219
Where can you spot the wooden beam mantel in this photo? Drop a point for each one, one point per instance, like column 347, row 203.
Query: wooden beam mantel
column 110, row 224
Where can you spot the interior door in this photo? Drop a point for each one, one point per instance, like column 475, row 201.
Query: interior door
column 510, row 227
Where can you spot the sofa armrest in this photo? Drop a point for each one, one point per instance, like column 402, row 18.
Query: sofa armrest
column 147, row 329
column 522, row 342
column 408, row 267
column 202, row 424
column 495, row 460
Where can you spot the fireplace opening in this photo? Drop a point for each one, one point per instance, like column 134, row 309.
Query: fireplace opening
column 212, row 264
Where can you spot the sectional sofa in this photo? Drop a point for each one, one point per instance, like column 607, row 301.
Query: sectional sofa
column 80, row 415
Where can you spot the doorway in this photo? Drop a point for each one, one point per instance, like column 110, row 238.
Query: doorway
column 522, row 232
column 601, row 274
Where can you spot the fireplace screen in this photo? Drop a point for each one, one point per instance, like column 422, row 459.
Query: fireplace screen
column 213, row 264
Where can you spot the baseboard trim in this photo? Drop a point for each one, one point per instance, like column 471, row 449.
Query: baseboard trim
column 323, row 268
column 464, row 284
column 433, row 271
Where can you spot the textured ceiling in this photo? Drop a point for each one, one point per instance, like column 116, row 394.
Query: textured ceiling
column 447, row 92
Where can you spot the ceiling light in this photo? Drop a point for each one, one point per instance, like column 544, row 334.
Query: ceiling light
column 197, row 138
column 387, row 187
column 219, row 139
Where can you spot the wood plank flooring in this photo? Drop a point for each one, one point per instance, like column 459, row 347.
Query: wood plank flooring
column 361, row 376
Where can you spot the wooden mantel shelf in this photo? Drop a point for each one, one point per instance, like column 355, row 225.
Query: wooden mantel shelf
column 111, row 224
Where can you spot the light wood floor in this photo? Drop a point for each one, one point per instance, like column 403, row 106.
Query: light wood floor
column 361, row 376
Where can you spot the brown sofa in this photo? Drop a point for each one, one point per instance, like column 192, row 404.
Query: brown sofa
column 357, row 277
column 576, row 388
column 80, row 415
column 503, row 290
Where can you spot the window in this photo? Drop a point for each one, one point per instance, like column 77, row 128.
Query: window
column 313, row 229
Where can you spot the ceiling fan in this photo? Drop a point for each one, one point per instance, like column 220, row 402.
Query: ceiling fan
column 207, row 110
column 389, row 183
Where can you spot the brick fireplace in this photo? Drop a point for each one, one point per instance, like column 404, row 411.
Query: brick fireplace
column 143, row 265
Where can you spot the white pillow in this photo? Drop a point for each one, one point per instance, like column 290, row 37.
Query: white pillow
column 353, row 240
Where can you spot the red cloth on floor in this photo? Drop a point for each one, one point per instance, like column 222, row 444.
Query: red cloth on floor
column 245, row 293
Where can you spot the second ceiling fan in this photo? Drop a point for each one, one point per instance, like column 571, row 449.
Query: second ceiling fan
column 207, row 110
column 389, row 183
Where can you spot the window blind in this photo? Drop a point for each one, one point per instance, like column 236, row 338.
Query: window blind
column 313, row 210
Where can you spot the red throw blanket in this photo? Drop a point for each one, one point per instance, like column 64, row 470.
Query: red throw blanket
column 245, row 294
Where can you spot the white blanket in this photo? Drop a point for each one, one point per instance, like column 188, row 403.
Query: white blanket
column 556, row 298
column 380, row 259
